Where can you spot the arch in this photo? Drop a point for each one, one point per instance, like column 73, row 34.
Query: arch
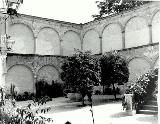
column 136, row 32
column 112, row 37
column 21, row 76
column 50, row 28
column 71, row 41
column 48, row 73
column 91, row 41
column 24, row 23
column 137, row 67
column 24, row 38
column 118, row 23
column 156, row 27
column 156, row 63
column 48, row 42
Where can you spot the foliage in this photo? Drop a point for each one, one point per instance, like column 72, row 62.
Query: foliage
column 81, row 72
column 52, row 90
column 109, row 7
column 24, row 96
column 11, row 114
column 145, row 87
column 114, row 69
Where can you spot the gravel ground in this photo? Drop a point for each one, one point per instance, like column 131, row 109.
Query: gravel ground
column 105, row 111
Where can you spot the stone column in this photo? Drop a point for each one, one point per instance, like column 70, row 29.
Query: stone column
column 123, row 39
column 150, row 33
column 61, row 47
column 34, row 82
column 35, row 44
column 3, row 69
column 101, row 45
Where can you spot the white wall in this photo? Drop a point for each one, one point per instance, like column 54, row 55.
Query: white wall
column 21, row 77
column 136, row 32
column 48, row 73
column 47, row 42
column 137, row 67
column 91, row 42
column 71, row 41
column 23, row 37
column 156, row 28
column 112, row 38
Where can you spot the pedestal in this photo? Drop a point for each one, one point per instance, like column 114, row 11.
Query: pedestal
column 129, row 102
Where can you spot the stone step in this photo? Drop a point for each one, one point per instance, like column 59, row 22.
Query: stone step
column 152, row 102
column 150, row 107
column 149, row 112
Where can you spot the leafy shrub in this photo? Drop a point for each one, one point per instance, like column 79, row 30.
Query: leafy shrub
column 52, row 90
column 114, row 70
column 81, row 72
column 97, row 92
column 41, row 84
column 110, row 91
column 145, row 87
column 24, row 96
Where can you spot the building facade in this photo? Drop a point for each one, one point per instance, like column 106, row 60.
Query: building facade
column 42, row 44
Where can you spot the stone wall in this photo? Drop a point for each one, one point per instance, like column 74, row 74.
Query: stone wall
column 25, row 70
column 40, row 43
column 137, row 27
column 34, row 35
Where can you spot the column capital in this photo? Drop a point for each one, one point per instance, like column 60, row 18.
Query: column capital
column 100, row 37
column 149, row 25
column 61, row 40
column 123, row 31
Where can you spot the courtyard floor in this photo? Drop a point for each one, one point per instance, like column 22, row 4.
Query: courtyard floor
column 105, row 111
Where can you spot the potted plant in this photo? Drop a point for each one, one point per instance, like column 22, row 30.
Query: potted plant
column 80, row 72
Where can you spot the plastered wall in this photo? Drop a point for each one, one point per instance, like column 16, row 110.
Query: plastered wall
column 40, row 43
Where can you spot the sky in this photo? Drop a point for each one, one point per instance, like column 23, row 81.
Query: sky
column 75, row 11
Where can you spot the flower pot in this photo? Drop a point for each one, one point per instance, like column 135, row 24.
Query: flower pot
column 76, row 97
column 71, row 96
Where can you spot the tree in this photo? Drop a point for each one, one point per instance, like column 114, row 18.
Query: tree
column 114, row 70
column 109, row 7
column 81, row 72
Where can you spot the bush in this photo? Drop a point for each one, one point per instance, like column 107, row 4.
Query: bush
column 108, row 91
column 52, row 90
column 24, row 96
column 10, row 114
column 145, row 87
column 81, row 72
column 97, row 92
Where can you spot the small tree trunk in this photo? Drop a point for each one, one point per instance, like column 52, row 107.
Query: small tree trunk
column 83, row 95
column 103, row 89
column 114, row 91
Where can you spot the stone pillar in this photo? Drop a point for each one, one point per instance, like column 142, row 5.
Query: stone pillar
column 150, row 33
column 61, row 47
column 35, row 44
column 34, row 82
column 3, row 70
column 101, row 45
column 123, row 39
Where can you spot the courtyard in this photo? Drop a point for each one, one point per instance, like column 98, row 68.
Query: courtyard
column 112, row 59
column 105, row 110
